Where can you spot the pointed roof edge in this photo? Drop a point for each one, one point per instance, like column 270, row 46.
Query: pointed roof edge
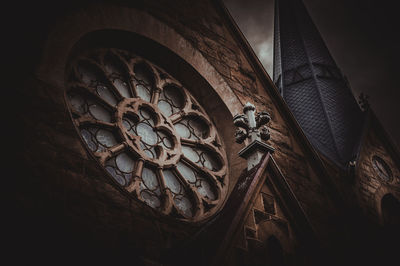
column 281, row 105
column 274, row 41
column 292, row 208
column 337, row 158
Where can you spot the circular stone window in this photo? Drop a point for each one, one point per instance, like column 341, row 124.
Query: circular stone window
column 382, row 168
column 148, row 133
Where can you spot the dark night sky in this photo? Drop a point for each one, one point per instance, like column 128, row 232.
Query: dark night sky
column 362, row 36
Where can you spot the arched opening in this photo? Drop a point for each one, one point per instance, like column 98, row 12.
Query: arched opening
column 275, row 254
column 390, row 206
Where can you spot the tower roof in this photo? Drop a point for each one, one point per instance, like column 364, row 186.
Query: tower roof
column 313, row 86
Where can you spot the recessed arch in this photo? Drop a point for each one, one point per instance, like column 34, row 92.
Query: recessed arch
column 274, row 252
column 390, row 207
column 107, row 24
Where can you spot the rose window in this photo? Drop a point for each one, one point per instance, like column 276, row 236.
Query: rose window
column 148, row 132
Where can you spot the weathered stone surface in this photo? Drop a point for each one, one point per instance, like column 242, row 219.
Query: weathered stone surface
column 61, row 183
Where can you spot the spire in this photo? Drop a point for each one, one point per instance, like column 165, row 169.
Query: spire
column 312, row 85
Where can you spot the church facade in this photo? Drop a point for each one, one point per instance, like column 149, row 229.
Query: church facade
column 156, row 137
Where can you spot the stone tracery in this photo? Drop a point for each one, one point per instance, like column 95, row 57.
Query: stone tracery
column 148, row 133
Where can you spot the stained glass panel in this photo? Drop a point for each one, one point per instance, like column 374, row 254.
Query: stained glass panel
column 181, row 200
column 88, row 74
column 143, row 74
column 195, row 178
column 117, row 75
column 143, row 92
column 78, row 103
column 150, row 189
column 168, row 143
column 121, row 167
column 205, row 189
column 149, row 179
column 99, row 112
column 201, row 157
column 171, row 100
column 184, row 204
column 106, row 95
column 192, row 128
column 171, row 181
column 98, row 139
column 186, row 172
column 122, row 87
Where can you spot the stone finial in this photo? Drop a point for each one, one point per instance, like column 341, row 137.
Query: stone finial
column 252, row 126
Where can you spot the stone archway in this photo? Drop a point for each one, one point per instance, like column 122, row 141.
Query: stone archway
column 390, row 207
column 274, row 252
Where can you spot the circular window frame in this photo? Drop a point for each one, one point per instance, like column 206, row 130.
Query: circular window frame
column 204, row 207
column 376, row 158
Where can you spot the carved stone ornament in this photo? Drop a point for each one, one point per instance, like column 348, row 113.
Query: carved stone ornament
column 249, row 124
column 253, row 127
column 148, row 133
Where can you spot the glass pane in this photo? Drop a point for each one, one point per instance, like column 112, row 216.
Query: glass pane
column 149, row 178
column 209, row 161
column 99, row 112
column 201, row 157
column 186, row 172
column 199, row 127
column 111, row 66
column 118, row 176
column 183, row 130
column 143, row 74
column 106, row 95
column 145, row 115
column 122, row 87
column 150, row 152
column 143, row 92
column 191, row 154
column 166, row 141
column 89, row 75
column 174, row 95
column 165, row 108
column 114, row 68
column 88, row 138
column 129, row 125
column 78, row 103
column 120, row 168
column 205, row 189
column 98, row 139
column 192, row 128
column 151, row 199
column 106, row 138
column 172, row 182
column 125, row 163
column 147, row 134
column 184, row 204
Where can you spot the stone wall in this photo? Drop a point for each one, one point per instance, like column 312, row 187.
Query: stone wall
column 370, row 187
column 210, row 35
column 63, row 186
